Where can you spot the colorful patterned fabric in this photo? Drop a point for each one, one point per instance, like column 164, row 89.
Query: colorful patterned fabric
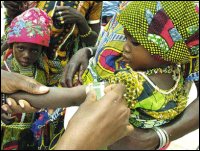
column 167, row 29
column 149, row 106
column 42, row 72
column 45, row 71
column 19, row 135
column 108, row 55
column 91, row 10
column 110, row 8
column 62, row 40
column 32, row 26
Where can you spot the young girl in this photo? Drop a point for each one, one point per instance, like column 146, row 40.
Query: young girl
column 28, row 37
column 162, row 46
column 161, row 54
column 160, row 37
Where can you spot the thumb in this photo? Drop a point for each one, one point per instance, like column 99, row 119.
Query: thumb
column 91, row 96
column 31, row 86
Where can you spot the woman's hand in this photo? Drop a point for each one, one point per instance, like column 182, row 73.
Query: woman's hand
column 97, row 124
column 12, row 82
column 69, row 15
column 78, row 63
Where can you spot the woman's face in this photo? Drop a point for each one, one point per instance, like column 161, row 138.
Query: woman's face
column 136, row 55
column 26, row 53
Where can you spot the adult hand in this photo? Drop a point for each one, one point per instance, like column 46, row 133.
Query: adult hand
column 97, row 124
column 145, row 139
column 69, row 15
column 78, row 63
column 12, row 82
column 12, row 107
column 140, row 139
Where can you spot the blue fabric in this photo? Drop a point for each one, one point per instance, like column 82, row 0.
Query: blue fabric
column 110, row 8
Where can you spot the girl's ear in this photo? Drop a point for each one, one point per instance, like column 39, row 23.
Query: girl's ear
column 44, row 48
column 10, row 46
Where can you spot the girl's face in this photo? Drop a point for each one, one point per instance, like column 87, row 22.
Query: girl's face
column 136, row 55
column 26, row 53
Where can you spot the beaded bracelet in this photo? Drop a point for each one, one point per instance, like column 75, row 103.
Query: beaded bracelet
column 163, row 137
column 87, row 34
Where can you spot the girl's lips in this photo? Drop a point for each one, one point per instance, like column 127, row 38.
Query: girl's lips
column 125, row 59
column 24, row 63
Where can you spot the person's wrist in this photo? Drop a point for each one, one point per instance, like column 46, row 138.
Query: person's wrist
column 152, row 139
column 81, row 20
column 163, row 137
column 89, row 52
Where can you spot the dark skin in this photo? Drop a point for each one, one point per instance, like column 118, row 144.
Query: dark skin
column 72, row 16
column 140, row 59
column 4, row 46
column 10, row 84
column 66, row 96
column 83, row 122
column 147, row 139
column 76, row 64
column 26, row 54
column 12, row 8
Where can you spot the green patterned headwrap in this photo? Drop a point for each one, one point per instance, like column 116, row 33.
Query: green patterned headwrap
column 168, row 30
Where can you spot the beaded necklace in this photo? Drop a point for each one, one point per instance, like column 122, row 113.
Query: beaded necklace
column 175, row 70
column 169, row 69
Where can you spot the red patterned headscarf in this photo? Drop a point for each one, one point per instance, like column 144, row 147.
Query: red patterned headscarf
column 32, row 26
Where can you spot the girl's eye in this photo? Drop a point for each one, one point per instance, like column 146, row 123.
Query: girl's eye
column 20, row 48
column 34, row 50
column 135, row 43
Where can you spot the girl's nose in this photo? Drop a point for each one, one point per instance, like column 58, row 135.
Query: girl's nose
column 126, row 48
column 26, row 54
